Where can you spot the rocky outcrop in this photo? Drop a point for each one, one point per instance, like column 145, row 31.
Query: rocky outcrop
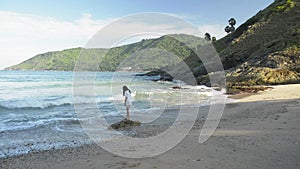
column 125, row 124
column 162, row 75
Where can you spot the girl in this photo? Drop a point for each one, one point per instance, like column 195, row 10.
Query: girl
column 127, row 102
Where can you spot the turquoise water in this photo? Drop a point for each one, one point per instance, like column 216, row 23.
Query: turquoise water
column 37, row 107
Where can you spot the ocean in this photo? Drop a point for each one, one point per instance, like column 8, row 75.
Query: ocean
column 37, row 107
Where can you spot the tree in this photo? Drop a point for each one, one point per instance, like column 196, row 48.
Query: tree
column 214, row 39
column 230, row 28
column 207, row 36
column 232, row 22
column 227, row 29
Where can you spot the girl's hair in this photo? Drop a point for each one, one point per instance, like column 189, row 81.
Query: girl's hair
column 124, row 90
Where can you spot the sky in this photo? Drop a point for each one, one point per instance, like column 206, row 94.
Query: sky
column 31, row 27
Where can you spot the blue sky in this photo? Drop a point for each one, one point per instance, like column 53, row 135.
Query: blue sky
column 213, row 11
column 29, row 27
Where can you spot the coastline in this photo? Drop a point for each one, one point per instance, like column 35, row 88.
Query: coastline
column 259, row 131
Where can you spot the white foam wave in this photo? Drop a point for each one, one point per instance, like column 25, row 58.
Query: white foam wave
column 50, row 101
column 15, row 126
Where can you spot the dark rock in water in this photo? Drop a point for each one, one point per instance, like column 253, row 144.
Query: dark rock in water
column 125, row 124
column 164, row 76
column 178, row 87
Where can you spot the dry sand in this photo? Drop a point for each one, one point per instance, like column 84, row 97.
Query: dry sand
column 260, row 131
column 280, row 92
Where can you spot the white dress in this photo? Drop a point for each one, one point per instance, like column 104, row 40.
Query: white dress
column 128, row 100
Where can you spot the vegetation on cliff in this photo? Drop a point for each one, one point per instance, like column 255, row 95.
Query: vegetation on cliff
column 160, row 49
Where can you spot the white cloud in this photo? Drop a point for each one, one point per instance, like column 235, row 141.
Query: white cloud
column 25, row 35
column 214, row 30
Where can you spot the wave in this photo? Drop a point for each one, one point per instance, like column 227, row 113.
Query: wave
column 26, row 125
column 72, row 123
column 50, row 101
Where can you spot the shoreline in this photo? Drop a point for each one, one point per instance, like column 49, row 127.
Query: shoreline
column 263, row 127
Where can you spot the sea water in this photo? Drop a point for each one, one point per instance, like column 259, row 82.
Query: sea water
column 37, row 107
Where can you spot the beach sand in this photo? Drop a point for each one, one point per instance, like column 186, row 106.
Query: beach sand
column 260, row 131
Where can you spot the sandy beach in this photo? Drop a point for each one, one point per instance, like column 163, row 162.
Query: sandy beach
column 258, row 131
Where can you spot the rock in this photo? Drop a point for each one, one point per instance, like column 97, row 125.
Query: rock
column 178, row 87
column 154, row 72
column 164, row 76
column 125, row 124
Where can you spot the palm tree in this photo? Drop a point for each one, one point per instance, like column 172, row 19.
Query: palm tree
column 213, row 39
column 230, row 28
column 232, row 22
column 207, row 36
column 227, row 29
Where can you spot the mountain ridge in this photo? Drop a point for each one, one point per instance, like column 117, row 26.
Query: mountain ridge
column 65, row 60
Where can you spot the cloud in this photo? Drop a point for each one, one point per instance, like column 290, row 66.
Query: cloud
column 214, row 30
column 24, row 36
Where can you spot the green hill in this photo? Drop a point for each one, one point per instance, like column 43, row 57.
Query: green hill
column 263, row 50
column 266, row 48
column 110, row 59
